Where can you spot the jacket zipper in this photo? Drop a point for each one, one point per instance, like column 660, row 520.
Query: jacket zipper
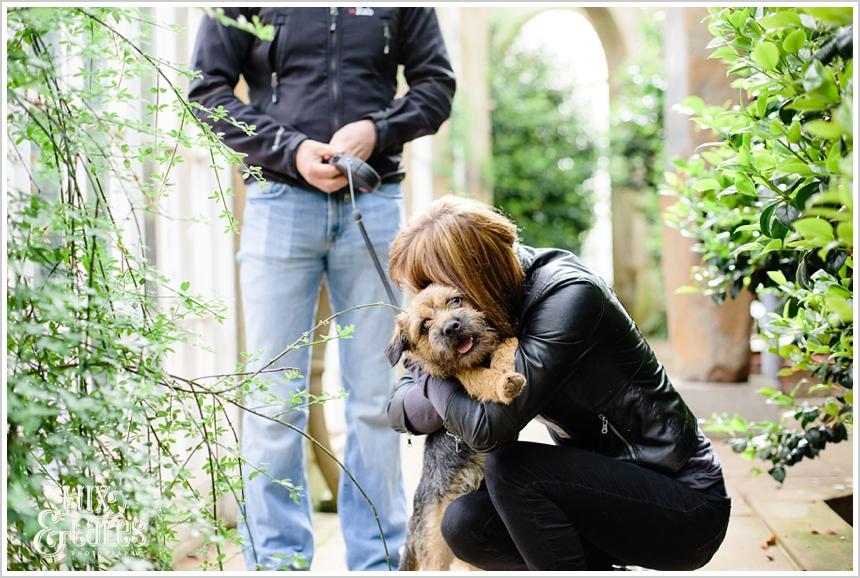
column 274, row 80
column 333, row 12
column 386, row 32
column 606, row 426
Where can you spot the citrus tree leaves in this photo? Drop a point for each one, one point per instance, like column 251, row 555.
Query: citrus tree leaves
column 766, row 55
column 770, row 204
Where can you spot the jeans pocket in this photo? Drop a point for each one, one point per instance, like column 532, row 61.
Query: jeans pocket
column 268, row 191
column 389, row 191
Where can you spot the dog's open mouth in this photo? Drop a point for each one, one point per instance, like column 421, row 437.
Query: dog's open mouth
column 466, row 346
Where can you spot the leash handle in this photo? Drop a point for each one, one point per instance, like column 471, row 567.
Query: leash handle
column 360, row 222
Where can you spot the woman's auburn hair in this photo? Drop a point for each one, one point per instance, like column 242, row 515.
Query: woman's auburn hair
column 466, row 244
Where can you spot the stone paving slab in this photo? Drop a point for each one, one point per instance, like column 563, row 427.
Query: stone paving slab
column 762, row 507
column 757, row 502
column 812, row 534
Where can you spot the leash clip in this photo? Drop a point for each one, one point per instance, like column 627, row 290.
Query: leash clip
column 457, row 440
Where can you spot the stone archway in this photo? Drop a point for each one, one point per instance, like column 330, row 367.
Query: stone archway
column 616, row 28
column 467, row 32
column 619, row 34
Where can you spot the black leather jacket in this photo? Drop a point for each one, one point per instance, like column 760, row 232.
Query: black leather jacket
column 591, row 377
column 325, row 68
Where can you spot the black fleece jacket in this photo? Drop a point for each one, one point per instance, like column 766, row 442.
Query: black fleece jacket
column 325, row 68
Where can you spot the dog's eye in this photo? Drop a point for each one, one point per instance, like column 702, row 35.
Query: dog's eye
column 425, row 327
column 455, row 301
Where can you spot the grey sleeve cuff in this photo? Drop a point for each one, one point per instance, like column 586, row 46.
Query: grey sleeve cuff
column 421, row 417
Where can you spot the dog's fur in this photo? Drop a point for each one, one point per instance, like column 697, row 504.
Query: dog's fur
column 446, row 335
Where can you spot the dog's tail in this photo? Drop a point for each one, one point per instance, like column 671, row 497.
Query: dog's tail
column 408, row 562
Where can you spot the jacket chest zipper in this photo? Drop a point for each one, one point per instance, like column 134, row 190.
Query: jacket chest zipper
column 386, row 32
column 606, row 426
column 333, row 13
column 274, row 80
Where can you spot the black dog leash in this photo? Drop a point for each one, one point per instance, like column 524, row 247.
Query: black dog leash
column 368, row 181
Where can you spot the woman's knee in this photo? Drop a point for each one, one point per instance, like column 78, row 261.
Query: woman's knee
column 462, row 526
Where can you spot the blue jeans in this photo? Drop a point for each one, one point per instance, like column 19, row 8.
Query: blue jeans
column 290, row 238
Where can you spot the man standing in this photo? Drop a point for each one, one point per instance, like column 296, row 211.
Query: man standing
column 325, row 84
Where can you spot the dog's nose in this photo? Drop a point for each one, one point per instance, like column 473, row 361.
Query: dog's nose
column 451, row 327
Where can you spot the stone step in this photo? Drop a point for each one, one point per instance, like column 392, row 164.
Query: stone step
column 812, row 535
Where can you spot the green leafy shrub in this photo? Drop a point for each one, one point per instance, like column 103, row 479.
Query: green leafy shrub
column 90, row 320
column 770, row 203
column 542, row 159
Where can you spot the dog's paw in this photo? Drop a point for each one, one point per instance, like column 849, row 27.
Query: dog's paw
column 512, row 386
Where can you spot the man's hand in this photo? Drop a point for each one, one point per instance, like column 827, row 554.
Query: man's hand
column 310, row 157
column 356, row 138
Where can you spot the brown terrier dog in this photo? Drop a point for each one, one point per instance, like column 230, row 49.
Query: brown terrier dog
column 444, row 333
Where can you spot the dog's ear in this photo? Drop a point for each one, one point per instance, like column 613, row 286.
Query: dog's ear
column 398, row 344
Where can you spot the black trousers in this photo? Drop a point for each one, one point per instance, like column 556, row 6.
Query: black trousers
column 545, row 507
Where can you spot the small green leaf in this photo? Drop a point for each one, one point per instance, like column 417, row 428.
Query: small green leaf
column 766, row 55
column 824, row 129
column 831, row 408
column 777, row 473
column 726, row 53
column 841, row 307
column 781, row 19
column 185, row 286
column 763, row 160
column 812, row 228
column 793, row 166
column 814, row 76
column 845, row 232
column 834, row 157
column 778, row 277
column 794, row 41
column 831, row 15
column 839, row 291
column 794, row 133
column 764, row 220
column 810, row 101
column 768, row 391
column 737, row 17
column 761, row 103
column 706, row 185
column 774, row 245
column 744, row 185
column 744, row 248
